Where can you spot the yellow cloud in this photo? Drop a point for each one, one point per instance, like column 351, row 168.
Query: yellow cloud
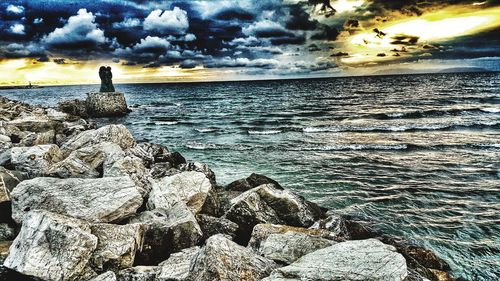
column 433, row 27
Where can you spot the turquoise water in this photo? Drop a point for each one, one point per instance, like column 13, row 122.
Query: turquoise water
column 418, row 155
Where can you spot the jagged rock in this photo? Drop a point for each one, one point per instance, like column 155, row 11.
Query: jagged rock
column 252, row 181
column 74, row 107
column 117, row 134
column 47, row 137
column 94, row 200
column 132, row 167
column 51, row 247
column 116, row 246
column 176, row 268
column 166, row 231
column 212, row 225
column 261, row 233
column 107, row 276
column 191, row 188
column 4, row 250
column 174, row 158
column 150, row 153
column 138, row 273
column 6, row 232
column 360, row 260
column 109, row 104
column 342, row 229
column 266, row 204
column 8, row 180
column 199, row 167
column 222, row 259
column 5, row 142
column 288, row 247
column 37, row 123
column 35, row 161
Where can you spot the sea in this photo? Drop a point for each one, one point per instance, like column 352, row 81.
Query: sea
column 417, row 156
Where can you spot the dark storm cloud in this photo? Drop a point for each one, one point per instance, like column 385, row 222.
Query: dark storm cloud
column 402, row 39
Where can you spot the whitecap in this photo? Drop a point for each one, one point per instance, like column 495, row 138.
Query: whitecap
column 268, row 132
column 491, row 109
column 201, row 146
column 166, row 122
column 206, row 130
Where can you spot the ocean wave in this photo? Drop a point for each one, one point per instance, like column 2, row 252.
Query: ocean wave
column 201, row 146
column 166, row 122
column 491, row 109
column 342, row 147
column 407, row 128
column 425, row 113
column 265, row 132
column 207, row 130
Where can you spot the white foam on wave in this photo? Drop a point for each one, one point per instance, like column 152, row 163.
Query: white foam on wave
column 268, row 132
column 200, row 146
column 360, row 147
column 166, row 122
column 491, row 109
column 206, row 130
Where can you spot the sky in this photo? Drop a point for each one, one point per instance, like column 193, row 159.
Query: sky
column 65, row 41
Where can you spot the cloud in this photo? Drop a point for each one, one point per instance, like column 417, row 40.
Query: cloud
column 80, row 31
column 15, row 9
column 17, row 29
column 127, row 23
column 266, row 29
column 17, row 50
column 38, row 21
column 234, row 13
column 167, row 22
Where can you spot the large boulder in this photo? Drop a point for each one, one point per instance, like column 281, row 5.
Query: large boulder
column 8, row 180
column 109, row 104
column 345, row 229
column 116, row 246
column 117, row 134
column 134, row 168
column 212, row 225
column 261, row 232
column 35, row 161
column 52, row 247
column 266, row 204
column 191, row 188
column 176, row 268
column 107, row 276
column 88, row 162
column 150, row 153
column 360, row 260
column 250, row 182
column 222, row 259
column 166, row 231
column 288, row 247
column 74, row 107
column 94, row 200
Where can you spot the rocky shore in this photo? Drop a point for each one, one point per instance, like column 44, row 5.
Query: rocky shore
column 82, row 203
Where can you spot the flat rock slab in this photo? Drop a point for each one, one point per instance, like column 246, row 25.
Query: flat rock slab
column 361, row 260
column 52, row 247
column 117, row 134
column 106, row 104
column 93, row 200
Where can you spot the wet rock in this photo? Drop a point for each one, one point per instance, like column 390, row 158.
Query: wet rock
column 289, row 247
column 174, row 158
column 166, row 231
column 176, row 268
column 261, row 232
column 266, row 204
column 212, row 225
column 363, row 260
column 222, row 259
column 51, row 247
column 191, row 188
column 35, row 161
column 74, row 107
column 138, row 273
column 116, row 246
column 7, row 232
column 252, row 181
column 8, row 180
column 107, row 276
column 94, row 200
column 109, row 104
column 116, row 134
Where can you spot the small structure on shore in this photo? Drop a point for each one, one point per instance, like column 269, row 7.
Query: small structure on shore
column 107, row 102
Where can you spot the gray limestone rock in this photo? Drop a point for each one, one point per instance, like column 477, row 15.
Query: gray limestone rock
column 223, row 259
column 35, row 161
column 94, row 200
column 360, row 260
column 116, row 134
column 176, row 268
column 52, row 247
column 109, row 104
